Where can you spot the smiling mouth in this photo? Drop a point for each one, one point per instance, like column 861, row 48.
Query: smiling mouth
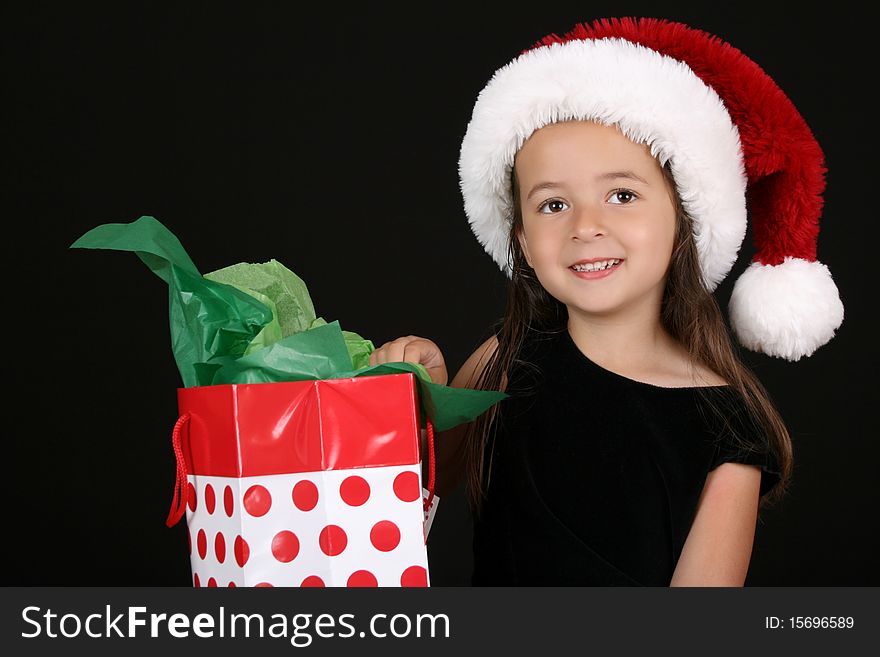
column 597, row 266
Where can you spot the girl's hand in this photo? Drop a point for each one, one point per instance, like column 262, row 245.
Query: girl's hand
column 413, row 349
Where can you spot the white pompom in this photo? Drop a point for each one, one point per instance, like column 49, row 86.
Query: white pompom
column 787, row 310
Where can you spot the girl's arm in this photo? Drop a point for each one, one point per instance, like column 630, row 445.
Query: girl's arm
column 448, row 444
column 719, row 545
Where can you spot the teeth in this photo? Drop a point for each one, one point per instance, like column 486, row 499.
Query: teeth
column 596, row 266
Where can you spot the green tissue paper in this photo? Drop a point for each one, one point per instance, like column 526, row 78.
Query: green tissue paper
column 255, row 323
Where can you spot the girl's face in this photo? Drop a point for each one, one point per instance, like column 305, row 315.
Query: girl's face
column 608, row 200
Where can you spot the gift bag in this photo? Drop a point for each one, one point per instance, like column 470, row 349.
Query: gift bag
column 297, row 460
column 305, row 483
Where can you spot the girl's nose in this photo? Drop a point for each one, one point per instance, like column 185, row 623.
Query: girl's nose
column 588, row 223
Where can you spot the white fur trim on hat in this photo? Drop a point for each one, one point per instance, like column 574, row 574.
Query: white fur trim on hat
column 654, row 100
column 787, row 310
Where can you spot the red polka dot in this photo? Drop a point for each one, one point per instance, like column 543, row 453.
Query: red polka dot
column 227, row 501
column 312, row 580
column 257, row 501
column 332, row 540
column 241, row 550
column 264, row 585
column 285, row 546
column 212, row 583
column 354, row 490
column 196, row 581
column 202, row 543
column 220, row 547
column 406, row 486
column 231, row 585
column 191, row 494
column 362, row 578
column 305, row 495
column 385, row 536
column 210, row 499
column 414, row 576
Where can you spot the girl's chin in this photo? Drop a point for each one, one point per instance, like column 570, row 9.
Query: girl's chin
column 593, row 309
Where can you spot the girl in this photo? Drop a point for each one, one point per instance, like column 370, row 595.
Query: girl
column 606, row 172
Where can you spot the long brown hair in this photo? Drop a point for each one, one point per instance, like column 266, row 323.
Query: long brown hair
column 689, row 312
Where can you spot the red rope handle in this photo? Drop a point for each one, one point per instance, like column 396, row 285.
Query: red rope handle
column 430, row 465
column 181, row 490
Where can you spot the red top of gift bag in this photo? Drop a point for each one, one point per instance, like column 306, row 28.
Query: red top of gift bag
column 242, row 430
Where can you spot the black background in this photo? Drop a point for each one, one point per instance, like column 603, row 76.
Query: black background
column 328, row 138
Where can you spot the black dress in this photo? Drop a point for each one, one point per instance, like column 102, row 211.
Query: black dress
column 595, row 477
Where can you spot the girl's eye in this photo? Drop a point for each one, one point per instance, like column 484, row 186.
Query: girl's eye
column 625, row 193
column 549, row 203
column 623, row 196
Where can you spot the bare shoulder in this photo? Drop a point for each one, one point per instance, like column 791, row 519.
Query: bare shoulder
column 708, row 377
column 680, row 371
column 699, row 375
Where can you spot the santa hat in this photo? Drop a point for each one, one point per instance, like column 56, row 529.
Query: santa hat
column 729, row 134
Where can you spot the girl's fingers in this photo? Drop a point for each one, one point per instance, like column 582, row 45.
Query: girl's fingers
column 397, row 353
column 408, row 349
column 411, row 353
column 387, row 353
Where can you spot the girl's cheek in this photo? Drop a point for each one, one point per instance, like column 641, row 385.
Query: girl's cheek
column 647, row 235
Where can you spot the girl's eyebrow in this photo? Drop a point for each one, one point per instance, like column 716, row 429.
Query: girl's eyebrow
column 611, row 175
